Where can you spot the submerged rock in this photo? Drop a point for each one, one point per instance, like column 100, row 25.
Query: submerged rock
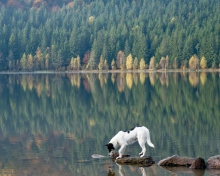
column 213, row 162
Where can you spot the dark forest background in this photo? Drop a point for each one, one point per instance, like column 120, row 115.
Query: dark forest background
column 101, row 34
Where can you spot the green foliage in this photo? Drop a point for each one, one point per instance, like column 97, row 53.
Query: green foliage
column 178, row 30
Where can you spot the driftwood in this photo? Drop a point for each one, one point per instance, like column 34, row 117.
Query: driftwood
column 142, row 162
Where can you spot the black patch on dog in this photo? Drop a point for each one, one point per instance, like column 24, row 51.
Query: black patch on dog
column 110, row 147
column 131, row 129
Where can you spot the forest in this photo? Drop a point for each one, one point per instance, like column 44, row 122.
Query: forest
column 108, row 35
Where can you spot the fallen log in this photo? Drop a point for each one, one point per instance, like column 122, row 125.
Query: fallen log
column 141, row 162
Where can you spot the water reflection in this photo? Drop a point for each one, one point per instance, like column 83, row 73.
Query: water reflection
column 30, row 81
column 53, row 123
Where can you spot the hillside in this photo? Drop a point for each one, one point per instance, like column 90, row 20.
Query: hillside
column 138, row 34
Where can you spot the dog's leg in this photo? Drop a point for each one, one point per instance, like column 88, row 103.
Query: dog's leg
column 142, row 141
column 140, row 153
column 143, row 151
column 121, row 151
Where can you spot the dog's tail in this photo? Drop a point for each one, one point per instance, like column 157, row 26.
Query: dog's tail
column 148, row 139
column 150, row 143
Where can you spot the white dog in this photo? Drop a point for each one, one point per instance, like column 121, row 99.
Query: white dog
column 124, row 138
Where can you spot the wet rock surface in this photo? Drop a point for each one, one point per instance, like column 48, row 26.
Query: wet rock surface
column 142, row 162
column 213, row 162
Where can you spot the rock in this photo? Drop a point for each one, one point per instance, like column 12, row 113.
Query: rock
column 98, row 156
column 176, row 161
column 198, row 163
column 213, row 162
column 116, row 154
column 142, row 162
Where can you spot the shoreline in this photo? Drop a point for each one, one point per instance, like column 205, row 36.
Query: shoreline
column 111, row 71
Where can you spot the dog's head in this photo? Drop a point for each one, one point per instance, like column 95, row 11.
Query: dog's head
column 111, row 148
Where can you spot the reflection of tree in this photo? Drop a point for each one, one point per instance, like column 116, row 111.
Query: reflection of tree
column 163, row 78
column 203, row 77
column 194, row 79
column 142, row 78
column 51, row 103
column 120, row 82
column 152, row 78
column 129, row 80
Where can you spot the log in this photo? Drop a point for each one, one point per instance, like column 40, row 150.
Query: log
column 141, row 162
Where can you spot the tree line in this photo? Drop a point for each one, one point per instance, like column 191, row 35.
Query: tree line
column 105, row 35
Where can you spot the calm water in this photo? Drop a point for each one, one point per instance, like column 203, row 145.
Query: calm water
column 51, row 124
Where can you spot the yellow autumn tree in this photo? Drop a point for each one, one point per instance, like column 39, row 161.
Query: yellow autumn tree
column 23, row 62
column 167, row 62
column 78, row 64
column 194, row 62
column 129, row 62
column 72, row 63
column 203, row 62
column 39, row 59
column 152, row 64
column 163, row 63
column 142, row 64
column 105, row 64
column 30, row 63
column 101, row 63
column 47, row 57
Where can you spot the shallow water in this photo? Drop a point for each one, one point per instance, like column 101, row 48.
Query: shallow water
column 52, row 124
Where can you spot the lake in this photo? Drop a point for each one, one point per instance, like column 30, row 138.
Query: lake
column 52, row 124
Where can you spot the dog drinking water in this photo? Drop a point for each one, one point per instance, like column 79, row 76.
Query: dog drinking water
column 125, row 138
